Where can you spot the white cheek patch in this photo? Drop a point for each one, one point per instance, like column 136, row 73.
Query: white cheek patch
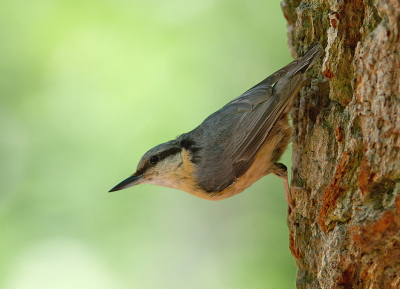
column 165, row 173
column 159, row 181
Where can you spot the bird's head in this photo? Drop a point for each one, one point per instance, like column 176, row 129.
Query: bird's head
column 157, row 167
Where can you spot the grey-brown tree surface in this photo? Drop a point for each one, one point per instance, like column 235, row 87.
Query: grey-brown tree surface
column 344, row 228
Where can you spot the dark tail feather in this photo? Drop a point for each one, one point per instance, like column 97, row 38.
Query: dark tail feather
column 308, row 59
column 288, row 82
column 296, row 75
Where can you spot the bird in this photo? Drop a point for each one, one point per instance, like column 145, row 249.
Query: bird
column 233, row 147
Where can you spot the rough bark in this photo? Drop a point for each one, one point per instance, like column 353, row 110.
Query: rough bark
column 344, row 228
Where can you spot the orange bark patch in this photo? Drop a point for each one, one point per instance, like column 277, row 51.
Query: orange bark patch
column 347, row 277
column 334, row 23
column 333, row 192
column 292, row 246
column 365, row 176
column 334, row 17
column 328, row 73
column 383, row 224
column 373, row 233
column 339, row 134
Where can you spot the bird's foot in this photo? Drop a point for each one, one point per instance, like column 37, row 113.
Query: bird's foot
column 280, row 170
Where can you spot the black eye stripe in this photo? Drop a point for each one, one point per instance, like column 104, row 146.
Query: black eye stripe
column 161, row 156
column 169, row 152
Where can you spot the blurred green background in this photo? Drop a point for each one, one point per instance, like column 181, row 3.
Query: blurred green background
column 86, row 88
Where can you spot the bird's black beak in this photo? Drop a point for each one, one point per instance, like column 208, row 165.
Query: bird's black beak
column 129, row 182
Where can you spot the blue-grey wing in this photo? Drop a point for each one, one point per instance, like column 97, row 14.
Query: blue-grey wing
column 233, row 135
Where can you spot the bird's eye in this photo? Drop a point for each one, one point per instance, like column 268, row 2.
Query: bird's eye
column 154, row 160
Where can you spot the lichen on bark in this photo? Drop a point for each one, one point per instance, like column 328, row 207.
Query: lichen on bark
column 344, row 230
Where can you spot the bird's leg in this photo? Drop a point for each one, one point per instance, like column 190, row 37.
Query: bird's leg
column 280, row 170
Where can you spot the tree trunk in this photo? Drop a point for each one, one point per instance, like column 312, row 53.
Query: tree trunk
column 345, row 226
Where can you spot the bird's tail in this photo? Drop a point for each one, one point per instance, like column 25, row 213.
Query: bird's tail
column 308, row 60
column 295, row 77
column 288, row 82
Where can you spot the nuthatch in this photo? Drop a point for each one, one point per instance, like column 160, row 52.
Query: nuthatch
column 235, row 146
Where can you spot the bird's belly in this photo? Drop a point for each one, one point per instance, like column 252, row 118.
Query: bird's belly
column 263, row 162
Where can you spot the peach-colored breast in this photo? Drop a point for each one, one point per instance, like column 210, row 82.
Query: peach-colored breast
column 262, row 163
